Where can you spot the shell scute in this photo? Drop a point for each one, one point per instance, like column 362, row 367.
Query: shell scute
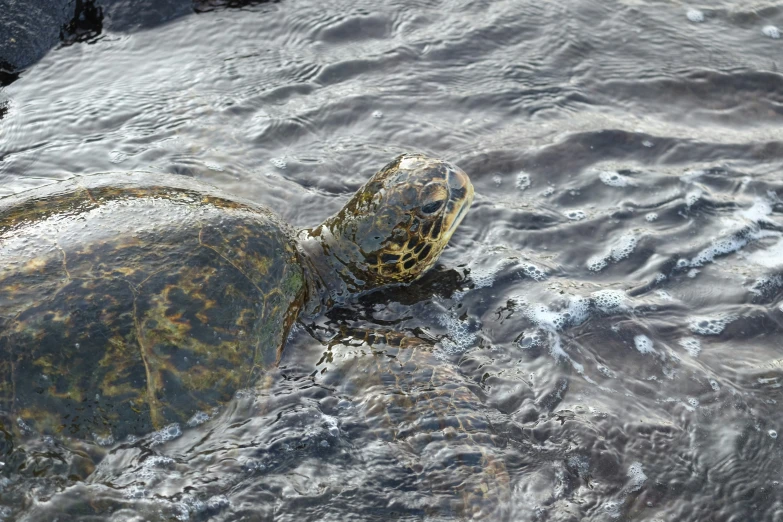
column 141, row 305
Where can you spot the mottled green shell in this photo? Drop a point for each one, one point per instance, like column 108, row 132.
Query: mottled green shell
column 130, row 301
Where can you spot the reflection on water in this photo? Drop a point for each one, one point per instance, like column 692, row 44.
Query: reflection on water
column 601, row 341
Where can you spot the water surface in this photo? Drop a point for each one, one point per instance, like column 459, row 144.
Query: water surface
column 612, row 305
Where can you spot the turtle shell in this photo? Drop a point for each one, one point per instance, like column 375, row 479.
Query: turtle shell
column 131, row 301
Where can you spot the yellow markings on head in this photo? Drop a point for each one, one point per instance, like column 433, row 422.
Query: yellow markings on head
column 402, row 219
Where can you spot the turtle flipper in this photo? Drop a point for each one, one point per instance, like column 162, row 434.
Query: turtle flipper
column 28, row 454
column 425, row 412
column 350, row 336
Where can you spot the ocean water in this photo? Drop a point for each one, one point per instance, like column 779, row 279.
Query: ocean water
column 602, row 339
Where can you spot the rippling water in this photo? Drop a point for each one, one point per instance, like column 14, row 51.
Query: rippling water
column 605, row 329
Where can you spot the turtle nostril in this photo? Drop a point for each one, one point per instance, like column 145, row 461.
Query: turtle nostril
column 433, row 206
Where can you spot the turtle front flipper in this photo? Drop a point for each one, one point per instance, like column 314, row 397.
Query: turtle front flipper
column 24, row 453
column 422, row 410
column 353, row 336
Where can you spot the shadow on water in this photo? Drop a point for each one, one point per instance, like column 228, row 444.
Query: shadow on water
column 204, row 6
column 30, row 29
column 8, row 73
column 86, row 24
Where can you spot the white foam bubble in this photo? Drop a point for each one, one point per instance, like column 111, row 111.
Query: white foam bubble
column 644, row 344
column 170, row 432
column 652, row 216
column 575, row 312
column 691, row 345
column 196, row 506
column 709, row 325
column 620, row 249
column 614, row 179
column 609, row 301
column 692, row 197
column 497, row 180
column 597, row 263
column 459, row 335
column 548, row 191
column 695, row 15
column 773, row 434
column 718, row 248
column 153, row 464
column 648, row 144
column 217, row 502
column 780, row 307
column 377, row 114
column 483, row 277
column 198, row 418
column 636, row 476
column 534, row 272
column 135, row 492
column 523, row 181
column 714, row 384
column 279, row 163
column 542, row 316
column 549, row 321
column 530, row 339
column 575, row 215
column 606, row 371
column 693, row 402
column 766, row 284
column 612, row 508
column 624, row 246
column 771, row 31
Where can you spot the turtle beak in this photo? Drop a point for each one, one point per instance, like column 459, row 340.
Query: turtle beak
column 460, row 197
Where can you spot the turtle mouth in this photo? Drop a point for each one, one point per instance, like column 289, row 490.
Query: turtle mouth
column 461, row 197
column 458, row 218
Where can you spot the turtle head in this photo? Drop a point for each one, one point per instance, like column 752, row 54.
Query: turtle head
column 396, row 226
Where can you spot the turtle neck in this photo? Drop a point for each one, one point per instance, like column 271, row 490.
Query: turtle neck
column 328, row 259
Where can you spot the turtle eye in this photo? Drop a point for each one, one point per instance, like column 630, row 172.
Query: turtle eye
column 432, row 206
column 434, row 195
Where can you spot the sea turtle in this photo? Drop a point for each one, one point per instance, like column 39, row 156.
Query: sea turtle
column 130, row 301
